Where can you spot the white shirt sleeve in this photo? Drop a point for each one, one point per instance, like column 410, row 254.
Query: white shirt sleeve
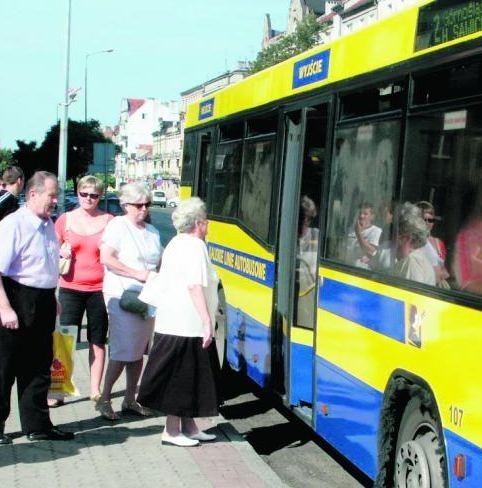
column 113, row 234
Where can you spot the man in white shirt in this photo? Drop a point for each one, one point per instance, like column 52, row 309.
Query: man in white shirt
column 28, row 308
column 362, row 242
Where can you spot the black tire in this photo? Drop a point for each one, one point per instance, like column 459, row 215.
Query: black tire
column 420, row 454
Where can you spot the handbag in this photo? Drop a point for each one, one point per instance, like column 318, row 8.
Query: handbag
column 65, row 263
column 129, row 301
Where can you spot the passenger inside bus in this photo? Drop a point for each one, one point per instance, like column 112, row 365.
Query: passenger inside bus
column 412, row 262
column 435, row 248
column 468, row 251
column 308, row 235
column 384, row 256
column 362, row 241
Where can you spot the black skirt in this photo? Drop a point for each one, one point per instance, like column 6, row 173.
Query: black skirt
column 179, row 378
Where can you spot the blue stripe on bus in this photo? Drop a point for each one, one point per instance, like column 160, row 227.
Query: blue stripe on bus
column 247, row 265
column 353, row 412
column 301, row 384
column 459, row 445
column 248, row 345
column 377, row 312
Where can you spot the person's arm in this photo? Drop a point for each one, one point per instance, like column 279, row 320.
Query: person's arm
column 59, row 226
column 199, row 300
column 109, row 258
column 8, row 316
column 368, row 248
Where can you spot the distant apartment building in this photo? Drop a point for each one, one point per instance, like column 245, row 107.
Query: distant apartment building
column 167, row 150
column 139, row 119
column 214, row 84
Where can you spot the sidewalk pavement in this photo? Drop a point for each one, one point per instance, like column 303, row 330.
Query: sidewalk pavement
column 127, row 453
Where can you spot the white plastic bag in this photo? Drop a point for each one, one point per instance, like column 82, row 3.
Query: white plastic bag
column 152, row 290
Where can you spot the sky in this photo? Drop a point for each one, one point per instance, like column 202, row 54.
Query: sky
column 161, row 48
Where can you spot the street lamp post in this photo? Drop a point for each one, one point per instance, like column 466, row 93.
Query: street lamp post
column 64, row 120
column 85, row 76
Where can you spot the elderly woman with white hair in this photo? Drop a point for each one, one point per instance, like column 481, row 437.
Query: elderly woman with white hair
column 179, row 378
column 412, row 262
column 130, row 250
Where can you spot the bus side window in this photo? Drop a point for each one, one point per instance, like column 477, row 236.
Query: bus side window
column 227, row 171
column 446, row 172
column 256, row 189
column 188, row 158
column 363, row 176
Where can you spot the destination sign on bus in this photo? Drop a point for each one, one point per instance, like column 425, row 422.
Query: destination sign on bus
column 206, row 109
column 444, row 21
column 246, row 265
column 311, row 69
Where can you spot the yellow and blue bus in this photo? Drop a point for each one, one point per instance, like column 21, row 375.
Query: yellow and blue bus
column 361, row 311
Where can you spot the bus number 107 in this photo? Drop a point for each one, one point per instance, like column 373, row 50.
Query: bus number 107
column 456, row 415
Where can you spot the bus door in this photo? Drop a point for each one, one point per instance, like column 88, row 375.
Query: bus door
column 299, row 247
column 205, row 147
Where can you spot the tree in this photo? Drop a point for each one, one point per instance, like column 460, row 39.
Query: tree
column 304, row 37
column 25, row 157
column 81, row 138
column 80, row 151
column 6, row 159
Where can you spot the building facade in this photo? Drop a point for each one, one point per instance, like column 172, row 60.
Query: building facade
column 139, row 120
column 339, row 16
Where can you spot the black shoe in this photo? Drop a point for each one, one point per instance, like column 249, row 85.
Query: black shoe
column 5, row 439
column 53, row 434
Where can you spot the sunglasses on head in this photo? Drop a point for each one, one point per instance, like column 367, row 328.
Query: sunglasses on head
column 94, row 196
column 140, row 205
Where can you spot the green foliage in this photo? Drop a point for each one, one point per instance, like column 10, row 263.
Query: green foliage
column 81, row 138
column 304, row 37
column 6, row 159
column 109, row 181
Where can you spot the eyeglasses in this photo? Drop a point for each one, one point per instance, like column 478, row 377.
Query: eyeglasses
column 429, row 220
column 94, row 196
column 140, row 205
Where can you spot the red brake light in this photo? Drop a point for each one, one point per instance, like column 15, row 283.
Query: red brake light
column 460, row 466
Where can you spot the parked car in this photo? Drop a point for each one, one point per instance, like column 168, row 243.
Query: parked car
column 159, row 198
column 112, row 205
column 173, row 202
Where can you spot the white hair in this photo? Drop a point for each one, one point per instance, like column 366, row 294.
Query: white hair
column 188, row 213
column 134, row 193
column 411, row 223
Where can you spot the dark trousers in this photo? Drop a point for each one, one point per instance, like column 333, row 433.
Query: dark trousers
column 26, row 355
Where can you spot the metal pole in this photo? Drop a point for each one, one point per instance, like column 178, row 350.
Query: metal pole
column 64, row 121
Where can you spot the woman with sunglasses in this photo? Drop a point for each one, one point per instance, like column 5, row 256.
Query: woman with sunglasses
column 180, row 375
column 80, row 290
column 130, row 250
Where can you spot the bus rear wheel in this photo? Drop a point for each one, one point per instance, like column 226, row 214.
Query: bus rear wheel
column 419, row 457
